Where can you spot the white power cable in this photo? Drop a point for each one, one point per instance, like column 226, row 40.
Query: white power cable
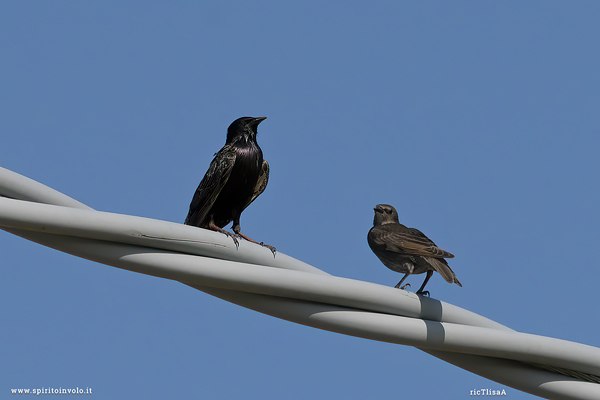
column 287, row 288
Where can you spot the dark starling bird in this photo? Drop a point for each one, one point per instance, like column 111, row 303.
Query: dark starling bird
column 236, row 177
column 406, row 250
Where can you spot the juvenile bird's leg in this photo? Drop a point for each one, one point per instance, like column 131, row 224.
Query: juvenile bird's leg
column 212, row 226
column 238, row 232
column 402, row 280
column 421, row 291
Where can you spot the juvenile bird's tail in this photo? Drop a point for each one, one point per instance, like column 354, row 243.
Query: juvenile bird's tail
column 442, row 267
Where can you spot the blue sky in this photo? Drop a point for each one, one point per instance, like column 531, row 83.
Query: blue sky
column 477, row 120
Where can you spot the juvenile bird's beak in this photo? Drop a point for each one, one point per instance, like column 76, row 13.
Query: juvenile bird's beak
column 258, row 120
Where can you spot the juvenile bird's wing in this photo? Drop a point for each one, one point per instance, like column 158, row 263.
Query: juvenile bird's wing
column 400, row 239
column 209, row 188
column 261, row 183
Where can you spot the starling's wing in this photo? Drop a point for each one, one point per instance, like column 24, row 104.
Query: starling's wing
column 261, row 183
column 209, row 188
column 400, row 239
column 442, row 267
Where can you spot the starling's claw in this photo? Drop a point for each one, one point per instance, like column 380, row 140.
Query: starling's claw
column 241, row 235
column 405, row 286
column 213, row 227
column 273, row 249
column 235, row 240
column 424, row 293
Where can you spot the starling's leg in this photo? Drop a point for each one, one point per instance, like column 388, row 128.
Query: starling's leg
column 212, row 226
column 420, row 291
column 238, row 232
column 402, row 280
column 403, row 287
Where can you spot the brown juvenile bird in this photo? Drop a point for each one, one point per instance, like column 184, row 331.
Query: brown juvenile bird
column 237, row 175
column 406, row 250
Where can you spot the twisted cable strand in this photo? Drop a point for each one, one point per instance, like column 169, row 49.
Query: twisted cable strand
column 290, row 289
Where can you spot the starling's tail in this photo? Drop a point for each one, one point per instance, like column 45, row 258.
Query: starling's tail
column 442, row 267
